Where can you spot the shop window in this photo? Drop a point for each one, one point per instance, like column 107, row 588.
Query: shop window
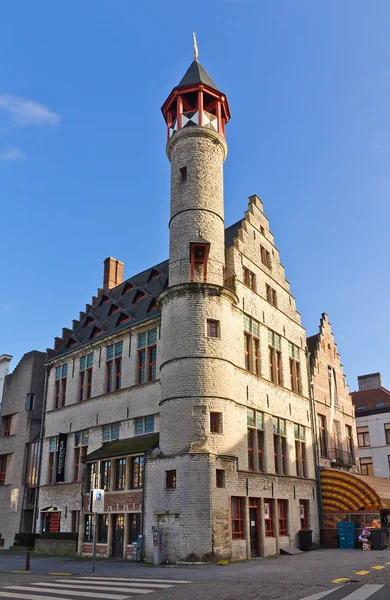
column 238, row 532
column 102, row 529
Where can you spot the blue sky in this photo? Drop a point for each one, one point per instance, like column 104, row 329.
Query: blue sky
column 83, row 171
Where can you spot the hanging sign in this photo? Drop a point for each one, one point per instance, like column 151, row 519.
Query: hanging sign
column 61, row 455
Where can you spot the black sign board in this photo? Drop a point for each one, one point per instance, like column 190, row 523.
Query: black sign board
column 61, row 454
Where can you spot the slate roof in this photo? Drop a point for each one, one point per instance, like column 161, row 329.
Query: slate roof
column 128, row 304
column 137, row 444
column 369, row 399
column 197, row 74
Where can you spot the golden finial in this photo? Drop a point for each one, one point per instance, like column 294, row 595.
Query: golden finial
column 196, row 52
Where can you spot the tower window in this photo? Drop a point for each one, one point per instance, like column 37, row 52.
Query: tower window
column 215, row 422
column 213, row 328
column 220, row 478
column 170, row 479
column 183, row 173
column 198, row 257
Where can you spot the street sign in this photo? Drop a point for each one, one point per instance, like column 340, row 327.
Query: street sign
column 96, row 501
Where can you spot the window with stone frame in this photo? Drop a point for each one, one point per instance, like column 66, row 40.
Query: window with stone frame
column 136, row 472
column 213, row 328
column 387, row 433
column 53, row 449
column 252, row 345
column 144, row 425
column 249, row 278
column 220, row 478
column 322, row 436
column 105, row 475
column 275, row 357
column 265, row 257
column 283, row 516
column 88, row 528
column 3, row 468
column 363, row 436
column 268, row 517
column 304, row 513
column 238, row 521
column 102, row 529
column 111, row 432
column 216, row 422
column 170, row 479
column 295, row 368
column 80, row 452
column 147, row 356
column 85, row 382
column 270, row 294
column 120, row 473
column 134, row 527
column 255, row 433
column 349, row 439
column 61, row 374
column 366, row 466
column 300, row 450
column 280, row 445
column 91, row 477
column 7, row 422
column 114, row 367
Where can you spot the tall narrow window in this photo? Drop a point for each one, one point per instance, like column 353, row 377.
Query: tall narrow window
column 134, row 527
column 268, row 518
column 137, row 472
column 363, row 436
column 199, row 254
column 275, row 357
column 147, row 356
column 295, row 368
column 322, row 436
column 120, row 473
column 53, row 448
column 238, row 518
column 170, row 479
column 265, row 257
column 105, row 475
column 283, row 511
column 350, row 448
column 61, row 374
column 271, row 295
column 91, row 480
column 3, row 468
column 387, row 433
column 80, row 451
column 255, row 434
column 102, row 529
column 75, row 521
column 252, row 344
column 249, row 278
column 280, row 445
column 300, row 450
column 183, row 174
column 7, row 426
column 86, row 364
column 114, row 367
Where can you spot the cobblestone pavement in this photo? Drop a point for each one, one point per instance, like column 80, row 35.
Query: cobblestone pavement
column 283, row 577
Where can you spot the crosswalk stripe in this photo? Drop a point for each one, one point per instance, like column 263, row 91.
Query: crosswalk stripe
column 364, row 592
column 64, row 592
column 113, row 583
column 62, row 587
column 110, row 579
column 24, row 596
column 320, row 595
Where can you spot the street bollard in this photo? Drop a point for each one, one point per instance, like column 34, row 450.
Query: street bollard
column 27, row 567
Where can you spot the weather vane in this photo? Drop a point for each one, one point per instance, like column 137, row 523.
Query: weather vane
column 196, row 52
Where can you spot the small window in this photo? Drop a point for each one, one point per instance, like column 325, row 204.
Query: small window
column 215, row 422
column 261, row 229
column 144, row 425
column 220, row 478
column 213, row 328
column 183, row 173
column 381, row 404
column 170, row 479
column 361, row 407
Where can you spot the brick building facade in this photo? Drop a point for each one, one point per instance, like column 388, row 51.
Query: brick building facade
column 20, row 424
column 183, row 391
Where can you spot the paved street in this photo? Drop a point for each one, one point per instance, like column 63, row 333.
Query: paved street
column 328, row 574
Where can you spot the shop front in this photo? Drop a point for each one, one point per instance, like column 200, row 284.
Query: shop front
column 347, row 497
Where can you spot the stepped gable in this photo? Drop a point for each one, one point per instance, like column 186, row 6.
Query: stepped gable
column 127, row 304
column 317, row 344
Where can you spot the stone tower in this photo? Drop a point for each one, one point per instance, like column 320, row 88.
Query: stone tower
column 197, row 373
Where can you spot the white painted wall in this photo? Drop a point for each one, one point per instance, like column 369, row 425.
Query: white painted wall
column 378, row 449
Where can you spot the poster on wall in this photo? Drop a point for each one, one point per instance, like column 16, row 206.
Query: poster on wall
column 266, row 510
column 61, row 455
column 302, row 511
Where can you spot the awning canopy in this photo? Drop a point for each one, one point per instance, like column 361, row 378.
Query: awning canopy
column 135, row 445
column 347, row 492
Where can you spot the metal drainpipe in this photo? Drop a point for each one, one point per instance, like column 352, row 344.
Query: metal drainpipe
column 143, row 504
column 41, row 436
column 315, row 442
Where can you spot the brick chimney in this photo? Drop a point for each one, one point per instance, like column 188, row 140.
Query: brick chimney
column 373, row 381
column 113, row 273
